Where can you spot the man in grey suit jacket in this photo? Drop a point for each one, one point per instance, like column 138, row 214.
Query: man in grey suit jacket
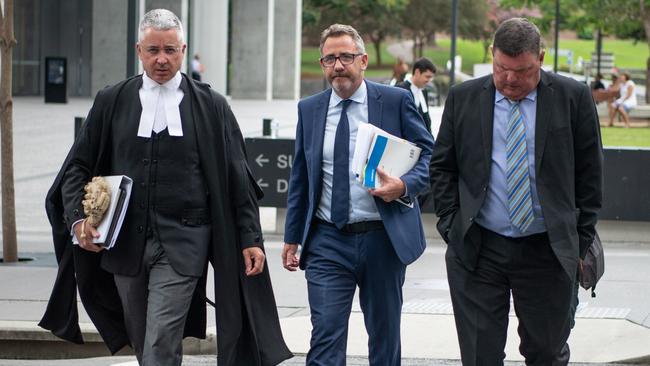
column 516, row 175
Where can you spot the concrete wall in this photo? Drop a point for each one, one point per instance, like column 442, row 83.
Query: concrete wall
column 109, row 56
column 252, row 49
column 287, row 45
column 66, row 31
column 209, row 38
column 75, row 34
column 175, row 6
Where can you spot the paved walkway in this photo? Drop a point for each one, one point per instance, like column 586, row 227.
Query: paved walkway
column 612, row 327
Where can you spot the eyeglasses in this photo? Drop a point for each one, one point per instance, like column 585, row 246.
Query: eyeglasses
column 169, row 51
column 345, row 58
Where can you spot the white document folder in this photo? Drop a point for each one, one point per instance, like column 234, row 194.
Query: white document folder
column 110, row 226
column 376, row 148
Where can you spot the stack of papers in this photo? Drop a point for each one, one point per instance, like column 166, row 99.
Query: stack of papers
column 376, row 148
column 110, row 226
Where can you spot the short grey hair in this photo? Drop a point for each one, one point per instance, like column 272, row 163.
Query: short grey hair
column 160, row 19
column 516, row 36
column 338, row 30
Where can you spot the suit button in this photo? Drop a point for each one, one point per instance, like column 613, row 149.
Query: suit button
column 76, row 212
column 140, row 229
column 471, row 219
column 184, row 221
column 145, row 161
column 484, row 188
column 155, row 161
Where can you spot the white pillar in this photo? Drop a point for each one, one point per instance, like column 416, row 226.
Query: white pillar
column 110, row 18
column 252, row 49
column 209, row 38
column 286, row 60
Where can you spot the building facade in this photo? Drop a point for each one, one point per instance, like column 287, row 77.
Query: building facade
column 250, row 48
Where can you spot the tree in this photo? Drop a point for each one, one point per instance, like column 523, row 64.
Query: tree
column 374, row 19
column 7, row 42
column 494, row 15
column 423, row 19
column 477, row 21
column 623, row 18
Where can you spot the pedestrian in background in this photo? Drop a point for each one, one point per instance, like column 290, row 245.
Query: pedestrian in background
column 352, row 236
column 516, row 174
column 400, row 69
column 626, row 102
column 423, row 72
column 197, row 67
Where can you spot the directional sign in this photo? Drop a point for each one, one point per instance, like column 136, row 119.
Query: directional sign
column 270, row 161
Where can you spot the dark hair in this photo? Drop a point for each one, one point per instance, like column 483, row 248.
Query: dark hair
column 516, row 36
column 423, row 64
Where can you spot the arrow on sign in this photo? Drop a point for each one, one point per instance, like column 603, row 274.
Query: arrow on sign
column 261, row 160
column 260, row 182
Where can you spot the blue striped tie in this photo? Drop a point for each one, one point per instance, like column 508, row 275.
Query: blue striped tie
column 520, row 204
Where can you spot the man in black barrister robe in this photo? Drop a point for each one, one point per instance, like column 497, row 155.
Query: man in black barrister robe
column 193, row 200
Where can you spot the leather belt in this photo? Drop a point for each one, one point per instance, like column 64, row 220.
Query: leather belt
column 354, row 228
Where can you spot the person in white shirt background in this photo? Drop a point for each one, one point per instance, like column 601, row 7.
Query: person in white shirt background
column 197, row 67
column 423, row 72
column 626, row 102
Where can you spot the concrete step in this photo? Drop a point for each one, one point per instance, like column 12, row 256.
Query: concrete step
column 26, row 340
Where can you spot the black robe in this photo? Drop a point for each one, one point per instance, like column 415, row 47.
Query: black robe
column 248, row 329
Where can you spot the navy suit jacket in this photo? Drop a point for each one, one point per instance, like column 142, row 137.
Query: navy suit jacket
column 391, row 109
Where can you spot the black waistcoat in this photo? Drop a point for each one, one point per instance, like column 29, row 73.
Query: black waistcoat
column 169, row 197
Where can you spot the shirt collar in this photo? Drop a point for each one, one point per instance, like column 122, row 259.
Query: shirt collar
column 359, row 95
column 532, row 96
column 172, row 84
column 410, row 80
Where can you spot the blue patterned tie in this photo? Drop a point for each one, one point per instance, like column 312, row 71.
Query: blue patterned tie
column 341, row 176
column 520, row 204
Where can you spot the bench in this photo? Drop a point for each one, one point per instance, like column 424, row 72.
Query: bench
column 641, row 111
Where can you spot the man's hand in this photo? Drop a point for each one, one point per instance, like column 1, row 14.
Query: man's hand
column 254, row 260
column 289, row 258
column 581, row 266
column 391, row 188
column 85, row 234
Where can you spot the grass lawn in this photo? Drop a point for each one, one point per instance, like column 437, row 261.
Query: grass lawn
column 627, row 54
column 632, row 137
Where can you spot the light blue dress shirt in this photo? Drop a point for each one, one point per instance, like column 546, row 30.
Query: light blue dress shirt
column 493, row 215
column 362, row 204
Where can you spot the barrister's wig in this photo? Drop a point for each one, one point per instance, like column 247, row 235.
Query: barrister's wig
column 161, row 19
column 338, row 30
column 516, row 36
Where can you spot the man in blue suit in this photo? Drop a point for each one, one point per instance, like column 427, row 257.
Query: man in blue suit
column 352, row 236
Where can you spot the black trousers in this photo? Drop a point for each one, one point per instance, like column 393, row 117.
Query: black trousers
column 542, row 293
